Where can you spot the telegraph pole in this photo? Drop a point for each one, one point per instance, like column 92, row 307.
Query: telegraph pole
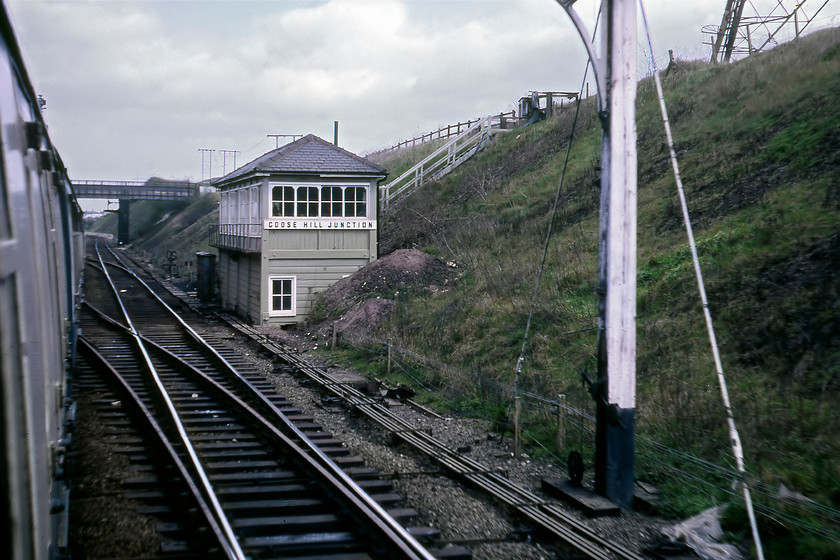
column 203, row 151
column 614, row 389
column 224, row 160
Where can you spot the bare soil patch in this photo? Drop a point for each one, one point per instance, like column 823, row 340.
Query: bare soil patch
column 365, row 299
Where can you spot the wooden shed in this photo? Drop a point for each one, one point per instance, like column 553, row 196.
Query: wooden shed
column 292, row 223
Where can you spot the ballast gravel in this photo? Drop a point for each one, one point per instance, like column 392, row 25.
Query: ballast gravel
column 464, row 516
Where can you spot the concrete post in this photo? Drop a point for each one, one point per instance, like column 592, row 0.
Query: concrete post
column 561, row 426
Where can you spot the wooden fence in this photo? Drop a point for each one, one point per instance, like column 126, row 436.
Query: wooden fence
column 505, row 120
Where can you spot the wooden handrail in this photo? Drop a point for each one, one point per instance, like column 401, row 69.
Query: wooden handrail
column 451, row 130
column 441, row 161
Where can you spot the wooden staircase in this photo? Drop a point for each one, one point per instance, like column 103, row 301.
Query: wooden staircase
column 442, row 161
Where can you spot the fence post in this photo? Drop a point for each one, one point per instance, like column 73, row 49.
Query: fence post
column 517, row 427
column 389, row 356
column 561, row 425
column 334, row 334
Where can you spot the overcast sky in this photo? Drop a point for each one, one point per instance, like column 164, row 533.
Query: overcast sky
column 136, row 88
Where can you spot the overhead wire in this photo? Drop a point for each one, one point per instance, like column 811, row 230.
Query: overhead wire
column 771, row 512
column 701, row 465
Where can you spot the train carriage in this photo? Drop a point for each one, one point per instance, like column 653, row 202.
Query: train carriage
column 41, row 252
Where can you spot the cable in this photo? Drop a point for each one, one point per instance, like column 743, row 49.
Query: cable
column 583, row 421
column 734, row 437
column 550, row 226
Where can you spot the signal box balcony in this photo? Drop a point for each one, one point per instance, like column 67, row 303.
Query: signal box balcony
column 246, row 238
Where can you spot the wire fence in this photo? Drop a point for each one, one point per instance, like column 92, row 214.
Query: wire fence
column 549, row 416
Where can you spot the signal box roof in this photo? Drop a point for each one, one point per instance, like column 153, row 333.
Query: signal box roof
column 309, row 155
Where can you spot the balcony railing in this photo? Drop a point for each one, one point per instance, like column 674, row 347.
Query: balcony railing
column 238, row 237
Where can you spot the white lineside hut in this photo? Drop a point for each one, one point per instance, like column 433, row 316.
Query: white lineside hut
column 292, row 223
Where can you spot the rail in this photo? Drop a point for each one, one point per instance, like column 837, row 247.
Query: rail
column 370, row 517
column 441, row 161
column 102, row 365
column 544, row 514
column 227, row 539
column 374, row 514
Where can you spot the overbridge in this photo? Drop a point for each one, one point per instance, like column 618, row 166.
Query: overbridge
column 136, row 190
column 127, row 191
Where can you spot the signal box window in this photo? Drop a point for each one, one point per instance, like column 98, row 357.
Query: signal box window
column 303, row 201
column 355, row 202
column 307, row 202
column 283, row 202
column 331, row 200
column 282, row 295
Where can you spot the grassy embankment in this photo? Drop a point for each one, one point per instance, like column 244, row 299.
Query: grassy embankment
column 759, row 149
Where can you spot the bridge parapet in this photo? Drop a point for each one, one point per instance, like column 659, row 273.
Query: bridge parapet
column 136, row 190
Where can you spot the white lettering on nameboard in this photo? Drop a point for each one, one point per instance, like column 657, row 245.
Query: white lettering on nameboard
column 298, row 223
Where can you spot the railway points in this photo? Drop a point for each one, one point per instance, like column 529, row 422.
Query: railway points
column 52, row 368
column 235, row 433
column 542, row 513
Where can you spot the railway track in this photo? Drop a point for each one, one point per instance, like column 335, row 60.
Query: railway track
column 545, row 515
column 246, row 474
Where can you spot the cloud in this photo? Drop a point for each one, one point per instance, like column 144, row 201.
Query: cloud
column 149, row 91
column 135, row 88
